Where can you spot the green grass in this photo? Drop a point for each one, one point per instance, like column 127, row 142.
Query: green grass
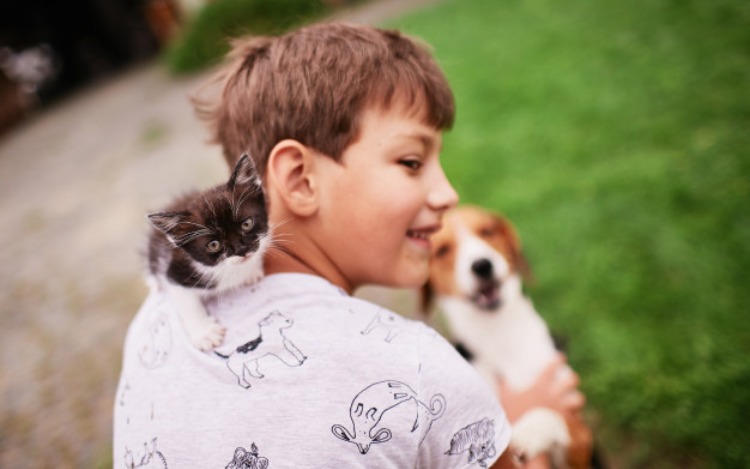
column 204, row 40
column 616, row 136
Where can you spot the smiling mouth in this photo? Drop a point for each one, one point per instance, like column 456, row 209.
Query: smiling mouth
column 423, row 235
column 487, row 296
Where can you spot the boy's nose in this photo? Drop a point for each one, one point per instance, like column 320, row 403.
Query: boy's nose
column 442, row 194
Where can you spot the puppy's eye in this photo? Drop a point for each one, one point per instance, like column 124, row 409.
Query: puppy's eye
column 213, row 246
column 487, row 232
column 247, row 224
column 442, row 251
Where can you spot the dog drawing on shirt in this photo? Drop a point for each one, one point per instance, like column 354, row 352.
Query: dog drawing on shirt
column 244, row 362
column 244, row 459
column 478, row 439
column 371, row 403
column 392, row 323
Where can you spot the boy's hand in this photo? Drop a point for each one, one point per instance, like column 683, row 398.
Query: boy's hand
column 556, row 389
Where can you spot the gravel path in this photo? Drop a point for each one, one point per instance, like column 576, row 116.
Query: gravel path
column 75, row 183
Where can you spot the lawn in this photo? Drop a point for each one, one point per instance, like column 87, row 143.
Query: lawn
column 616, row 136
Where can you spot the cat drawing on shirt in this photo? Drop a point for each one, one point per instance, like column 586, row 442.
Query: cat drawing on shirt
column 371, row 403
column 207, row 243
column 246, row 359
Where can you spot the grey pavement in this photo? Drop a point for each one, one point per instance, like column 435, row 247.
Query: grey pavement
column 75, row 183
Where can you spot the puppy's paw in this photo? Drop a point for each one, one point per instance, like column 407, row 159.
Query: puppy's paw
column 538, row 431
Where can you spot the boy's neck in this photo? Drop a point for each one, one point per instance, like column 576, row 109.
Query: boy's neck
column 286, row 260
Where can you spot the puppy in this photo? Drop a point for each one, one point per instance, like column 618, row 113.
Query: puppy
column 476, row 274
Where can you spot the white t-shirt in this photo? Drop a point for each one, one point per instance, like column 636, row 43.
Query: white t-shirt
column 308, row 376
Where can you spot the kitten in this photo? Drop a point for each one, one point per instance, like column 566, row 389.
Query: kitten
column 205, row 243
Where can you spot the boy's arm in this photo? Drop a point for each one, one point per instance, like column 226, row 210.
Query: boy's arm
column 472, row 430
column 551, row 389
column 506, row 462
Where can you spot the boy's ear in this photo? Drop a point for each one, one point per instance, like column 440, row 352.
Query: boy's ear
column 290, row 171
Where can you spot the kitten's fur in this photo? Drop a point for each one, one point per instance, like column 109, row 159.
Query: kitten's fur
column 205, row 243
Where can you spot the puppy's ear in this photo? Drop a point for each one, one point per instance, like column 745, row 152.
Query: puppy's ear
column 514, row 242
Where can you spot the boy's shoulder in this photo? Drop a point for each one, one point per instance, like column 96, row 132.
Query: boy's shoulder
column 293, row 330
column 308, row 299
column 315, row 308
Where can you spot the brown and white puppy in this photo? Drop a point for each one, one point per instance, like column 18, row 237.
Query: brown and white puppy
column 476, row 275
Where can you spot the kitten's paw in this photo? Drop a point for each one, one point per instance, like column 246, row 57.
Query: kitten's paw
column 208, row 335
column 255, row 278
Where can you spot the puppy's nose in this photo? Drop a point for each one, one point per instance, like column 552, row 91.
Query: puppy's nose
column 482, row 268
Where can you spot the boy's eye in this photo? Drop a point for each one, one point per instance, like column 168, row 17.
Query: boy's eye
column 213, row 246
column 247, row 224
column 411, row 163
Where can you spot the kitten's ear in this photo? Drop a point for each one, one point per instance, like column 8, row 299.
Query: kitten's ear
column 166, row 222
column 244, row 173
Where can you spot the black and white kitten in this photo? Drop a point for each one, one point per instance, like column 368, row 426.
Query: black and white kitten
column 205, row 243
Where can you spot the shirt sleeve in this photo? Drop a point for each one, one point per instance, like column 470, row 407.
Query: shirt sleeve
column 470, row 428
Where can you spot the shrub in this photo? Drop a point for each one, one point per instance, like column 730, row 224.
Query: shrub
column 205, row 38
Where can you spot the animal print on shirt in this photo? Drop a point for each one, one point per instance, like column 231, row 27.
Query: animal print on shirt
column 156, row 343
column 246, row 359
column 247, row 459
column 390, row 322
column 372, row 402
column 478, row 439
column 150, row 458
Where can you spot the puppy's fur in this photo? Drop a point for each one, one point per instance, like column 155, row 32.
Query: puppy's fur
column 476, row 275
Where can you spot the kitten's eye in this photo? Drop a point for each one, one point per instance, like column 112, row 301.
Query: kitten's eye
column 248, row 224
column 213, row 246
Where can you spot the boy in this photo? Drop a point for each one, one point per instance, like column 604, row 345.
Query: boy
column 344, row 123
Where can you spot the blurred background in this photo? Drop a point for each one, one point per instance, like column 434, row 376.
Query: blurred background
column 615, row 135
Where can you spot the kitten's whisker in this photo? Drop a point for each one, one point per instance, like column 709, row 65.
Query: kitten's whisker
column 230, row 201
column 281, row 243
column 272, row 227
column 277, row 250
column 210, row 206
column 192, row 224
column 241, row 201
column 206, row 276
column 188, row 237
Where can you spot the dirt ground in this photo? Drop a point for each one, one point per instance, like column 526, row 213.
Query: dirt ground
column 75, row 183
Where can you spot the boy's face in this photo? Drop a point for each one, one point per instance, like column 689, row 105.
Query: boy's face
column 381, row 203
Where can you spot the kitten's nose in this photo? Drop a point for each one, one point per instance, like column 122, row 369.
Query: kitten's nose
column 242, row 251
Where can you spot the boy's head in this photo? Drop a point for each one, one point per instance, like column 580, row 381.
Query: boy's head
column 313, row 84
column 345, row 125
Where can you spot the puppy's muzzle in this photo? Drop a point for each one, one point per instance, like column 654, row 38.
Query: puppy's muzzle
column 487, row 295
column 482, row 268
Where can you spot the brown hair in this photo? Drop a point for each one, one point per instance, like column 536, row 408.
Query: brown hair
column 312, row 85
